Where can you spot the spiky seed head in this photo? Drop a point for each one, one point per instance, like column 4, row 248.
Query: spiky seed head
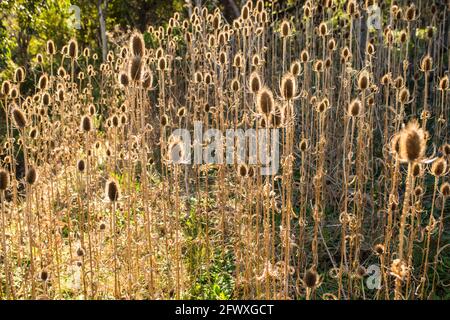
column 19, row 75
column 379, row 249
column 72, row 49
column 351, row 7
column 81, row 165
column 285, row 29
column 439, row 167
column 51, row 49
column 46, row 99
column 303, row 145
column 318, row 66
column 242, row 170
column 255, row 82
column 19, row 118
column 446, row 149
column 399, row 82
column 124, row 80
column 331, row 44
column 4, row 180
column 43, row 82
column 40, row 58
column 162, row 64
column 137, row 45
column 136, row 68
column 6, row 88
column 403, row 95
column 410, row 13
column 445, row 190
column 311, row 278
column 148, row 80
column 80, row 252
column 370, row 49
column 164, row 120
column 418, row 191
column 363, row 80
column 355, row 108
column 86, row 124
column 223, row 58
column 443, row 83
column 304, row 56
column 264, row 101
column 386, row 79
column 412, row 142
column 44, row 275
column 115, row 121
column 416, row 169
column 426, row 64
column 235, row 85
column 296, row 68
column 323, row 29
column 112, row 190
column 288, row 86
column 31, row 176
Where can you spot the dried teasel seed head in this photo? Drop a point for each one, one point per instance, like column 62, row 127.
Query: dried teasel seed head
column 416, row 169
column 147, row 80
column 81, row 165
column 443, row 83
column 363, row 80
column 403, row 95
column 265, row 102
column 135, row 69
column 112, row 190
column 137, row 45
column 242, row 170
column 19, row 118
column 304, row 56
column 51, row 49
column 303, row 146
column 235, row 85
column 355, row 108
column 124, row 80
column 255, row 82
column 86, row 124
column 6, row 88
column 439, row 167
column 43, row 82
column 311, row 278
column 426, row 64
column 164, row 120
column 44, row 275
column 296, row 68
column 418, row 191
column 72, row 49
column 323, row 29
column 285, row 29
column 46, row 99
column 80, row 252
column 379, row 249
column 288, row 86
column 162, row 64
column 445, row 190
column 446, row 150
column 31, row 176
column 4, row 180
column 19, row 75
column 412, row 142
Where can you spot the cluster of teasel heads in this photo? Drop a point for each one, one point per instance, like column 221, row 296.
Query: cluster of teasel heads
column 93, row 207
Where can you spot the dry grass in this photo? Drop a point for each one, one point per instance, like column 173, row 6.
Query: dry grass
column 92, row 206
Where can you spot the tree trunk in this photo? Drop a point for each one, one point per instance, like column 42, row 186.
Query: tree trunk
column 101, row 16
